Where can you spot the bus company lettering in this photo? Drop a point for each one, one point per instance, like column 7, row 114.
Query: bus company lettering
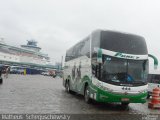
column 121, row 55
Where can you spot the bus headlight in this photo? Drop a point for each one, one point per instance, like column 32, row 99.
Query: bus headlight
column 143, row 91
column 106, row 88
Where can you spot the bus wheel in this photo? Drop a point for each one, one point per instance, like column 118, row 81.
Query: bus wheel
column 86, row 95
column 68, row 87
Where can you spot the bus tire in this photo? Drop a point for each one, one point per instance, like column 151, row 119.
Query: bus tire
column 67, row 86
column 86, row 95
column 1, row 81
column 124, row 105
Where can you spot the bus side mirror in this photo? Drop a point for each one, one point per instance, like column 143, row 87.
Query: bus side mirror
column 99, row 55
column 155, row 60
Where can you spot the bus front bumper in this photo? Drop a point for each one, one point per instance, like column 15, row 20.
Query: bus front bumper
column 103, row 96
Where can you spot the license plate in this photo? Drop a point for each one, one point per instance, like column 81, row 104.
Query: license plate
column 125, row 99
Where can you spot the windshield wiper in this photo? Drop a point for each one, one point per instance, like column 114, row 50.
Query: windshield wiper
column 138, row 82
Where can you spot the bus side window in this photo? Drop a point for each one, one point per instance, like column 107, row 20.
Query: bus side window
column 98, row 71
column 157, row 77
column 149, row 78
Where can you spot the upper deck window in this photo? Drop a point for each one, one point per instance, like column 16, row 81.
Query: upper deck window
column 125, row 43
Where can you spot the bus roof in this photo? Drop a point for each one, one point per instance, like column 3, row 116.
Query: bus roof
column 119, row 42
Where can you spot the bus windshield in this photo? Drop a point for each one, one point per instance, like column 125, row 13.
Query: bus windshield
column 124, row 71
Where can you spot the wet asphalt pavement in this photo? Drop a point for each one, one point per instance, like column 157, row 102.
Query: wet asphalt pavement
column 42, row 94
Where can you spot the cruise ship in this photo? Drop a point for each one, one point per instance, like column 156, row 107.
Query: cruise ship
column 28, row 55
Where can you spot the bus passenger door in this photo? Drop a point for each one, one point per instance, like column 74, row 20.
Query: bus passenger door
column 73, row 80
column 78, row 77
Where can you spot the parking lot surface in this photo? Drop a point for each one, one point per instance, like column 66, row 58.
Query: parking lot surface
column 45, row 95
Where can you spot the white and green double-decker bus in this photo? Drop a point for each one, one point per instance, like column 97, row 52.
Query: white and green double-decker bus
column 108, row 66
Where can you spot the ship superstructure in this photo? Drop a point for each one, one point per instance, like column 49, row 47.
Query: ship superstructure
column 26, row 55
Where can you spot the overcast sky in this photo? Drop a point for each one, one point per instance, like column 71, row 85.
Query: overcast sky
column 58, row 24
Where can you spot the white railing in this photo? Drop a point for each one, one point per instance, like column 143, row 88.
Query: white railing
column 9, row 57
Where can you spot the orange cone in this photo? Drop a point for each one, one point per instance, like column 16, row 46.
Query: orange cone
column 155, row 101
